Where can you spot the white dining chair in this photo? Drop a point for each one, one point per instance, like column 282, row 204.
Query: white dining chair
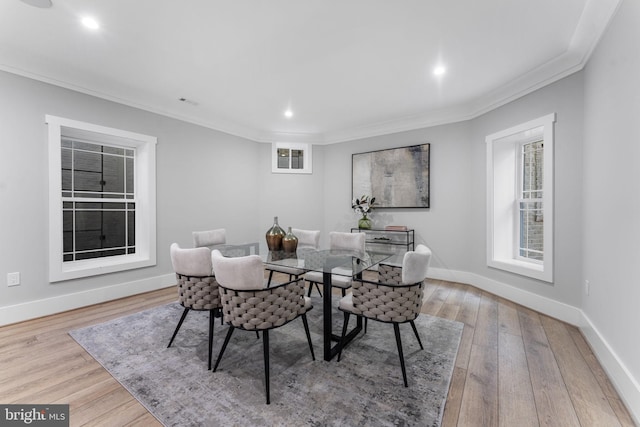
column 340, row 241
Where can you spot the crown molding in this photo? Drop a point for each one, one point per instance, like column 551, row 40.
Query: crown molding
column 592, row 25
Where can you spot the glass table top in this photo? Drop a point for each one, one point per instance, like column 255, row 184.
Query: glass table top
column 342, row 262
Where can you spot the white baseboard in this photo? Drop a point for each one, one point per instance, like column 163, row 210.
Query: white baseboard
column 47, row 306
column 558, row 310
column 626, row 386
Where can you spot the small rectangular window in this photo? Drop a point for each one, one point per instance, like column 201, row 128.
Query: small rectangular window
column 291, row 158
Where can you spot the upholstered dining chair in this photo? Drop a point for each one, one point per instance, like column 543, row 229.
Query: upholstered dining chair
column 249, row 305
column 307, row 239
column 395, row 298
column 339, row 241
column 197, row 286
column 209, row 238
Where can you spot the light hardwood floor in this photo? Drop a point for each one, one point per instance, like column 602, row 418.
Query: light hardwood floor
column 515, row 367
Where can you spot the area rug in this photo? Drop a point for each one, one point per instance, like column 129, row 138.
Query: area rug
column 364, row 389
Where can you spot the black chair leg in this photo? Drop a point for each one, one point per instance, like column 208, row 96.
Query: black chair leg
column 318, row 288
column 345, row 324
column 184, row 314
column 211, row 324
column 310, row 289
column 306, row 330
column 366, row 320
column 396, row 329
column 224, row 346
column 344, row 292
column 265, row 347
column 270, row 276
column 415, row 331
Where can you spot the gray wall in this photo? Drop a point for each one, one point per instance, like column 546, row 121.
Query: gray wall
column 205, row 179
column 454, row 227
column 612, row 187
column 566, row 100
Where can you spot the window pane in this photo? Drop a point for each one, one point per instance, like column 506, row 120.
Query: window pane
column 113, row 229
column 90, row 229
column 113, row 150
column 67, row 231
column 129, row 176
column 113, row 174
column 283, row 158
column 84, row 161
column 532, row 169
column 87, row 181
column 531, row 230
column 297, row 159
column 131, row 225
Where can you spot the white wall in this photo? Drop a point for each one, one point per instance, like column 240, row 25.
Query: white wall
column 612, row 196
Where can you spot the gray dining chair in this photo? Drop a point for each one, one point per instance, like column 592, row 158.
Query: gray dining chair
column 197, row 286
column 396, row 297
column 209, row 238
column 340, row 241
column 307, row 239
column 249, row 305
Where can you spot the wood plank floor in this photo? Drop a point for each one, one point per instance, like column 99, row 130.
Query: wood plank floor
column 515, row 367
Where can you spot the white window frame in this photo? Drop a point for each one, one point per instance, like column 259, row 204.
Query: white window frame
column 145, row 190
column 307, row 157
column 503, row 151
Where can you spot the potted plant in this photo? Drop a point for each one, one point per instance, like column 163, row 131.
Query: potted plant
column 363, row 206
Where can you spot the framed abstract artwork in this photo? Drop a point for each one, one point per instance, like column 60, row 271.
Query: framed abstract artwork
column 396, row 177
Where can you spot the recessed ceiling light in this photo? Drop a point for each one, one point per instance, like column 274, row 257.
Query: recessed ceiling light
column 288, row 114
column 38, row 3
column 90, row 23
column 439, row 70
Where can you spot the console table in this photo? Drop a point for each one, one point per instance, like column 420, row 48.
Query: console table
column 391, row 240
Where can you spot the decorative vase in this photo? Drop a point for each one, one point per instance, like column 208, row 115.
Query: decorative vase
column 364, row 223
column 274, row 236
column 289, row 242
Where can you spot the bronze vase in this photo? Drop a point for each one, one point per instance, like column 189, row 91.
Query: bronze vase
column 274, row 236
column 289, row 242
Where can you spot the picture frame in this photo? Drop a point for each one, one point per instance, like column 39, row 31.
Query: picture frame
column 396, row 177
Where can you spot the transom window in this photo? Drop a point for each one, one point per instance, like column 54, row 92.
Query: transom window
column 289, row 157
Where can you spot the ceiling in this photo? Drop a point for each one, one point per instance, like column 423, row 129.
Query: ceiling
column 346, row 69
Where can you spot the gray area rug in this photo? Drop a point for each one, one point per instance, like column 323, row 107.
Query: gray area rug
column 364, row 389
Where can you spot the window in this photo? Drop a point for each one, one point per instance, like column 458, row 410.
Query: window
column 102, row 199
column 530, row 203
column 291, row 158
column 520, row 199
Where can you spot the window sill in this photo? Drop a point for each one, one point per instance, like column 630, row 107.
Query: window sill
column 94, row 267
column 523, row 268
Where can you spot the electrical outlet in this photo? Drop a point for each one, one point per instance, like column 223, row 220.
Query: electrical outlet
column 13, row 279
column 587, row 287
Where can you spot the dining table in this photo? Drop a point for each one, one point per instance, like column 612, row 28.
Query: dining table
column 328, row 261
